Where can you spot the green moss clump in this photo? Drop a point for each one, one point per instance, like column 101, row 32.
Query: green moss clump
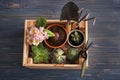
column 41, row 22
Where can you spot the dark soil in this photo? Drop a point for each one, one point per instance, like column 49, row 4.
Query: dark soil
column 60, row 36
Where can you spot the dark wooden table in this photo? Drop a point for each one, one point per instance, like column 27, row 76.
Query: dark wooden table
column 104, row 55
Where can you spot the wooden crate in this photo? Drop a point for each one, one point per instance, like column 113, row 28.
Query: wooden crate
column 28, row 61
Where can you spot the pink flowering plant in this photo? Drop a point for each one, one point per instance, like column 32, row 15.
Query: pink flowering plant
column 35, row 37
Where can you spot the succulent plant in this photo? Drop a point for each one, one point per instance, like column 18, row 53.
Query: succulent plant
column 58, row 56
column 76, row 37
column 72, row 55
column 41, row 22
column 40, row 54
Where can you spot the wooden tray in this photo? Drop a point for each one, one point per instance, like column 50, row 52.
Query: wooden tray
column 28, row 61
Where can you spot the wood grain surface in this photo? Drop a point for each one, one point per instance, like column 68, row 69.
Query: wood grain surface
column 104, row 55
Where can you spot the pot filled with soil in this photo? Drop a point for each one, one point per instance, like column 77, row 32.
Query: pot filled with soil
column 60, row 37
column 76, row 38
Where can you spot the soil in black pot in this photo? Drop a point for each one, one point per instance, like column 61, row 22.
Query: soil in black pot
column 60, row 36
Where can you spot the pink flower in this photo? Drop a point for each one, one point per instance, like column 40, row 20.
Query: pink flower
column 33, row 30
column 45, row 35
column 36, row 36
column 35, row 41
column 41, row 29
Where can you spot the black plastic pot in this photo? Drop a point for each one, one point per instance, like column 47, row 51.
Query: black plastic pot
column 76, row 43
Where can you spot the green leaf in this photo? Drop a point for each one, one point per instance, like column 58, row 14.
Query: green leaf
column 50, row 33
column 40, row 46
column 41, row 22
column 35, row 51
column 60, row 51
column 61, row 59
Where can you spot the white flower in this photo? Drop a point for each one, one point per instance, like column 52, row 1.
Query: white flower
column 36, row 41
column 41, row 29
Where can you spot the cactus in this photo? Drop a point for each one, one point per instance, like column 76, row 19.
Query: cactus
column 41, row 22
column 72, row 55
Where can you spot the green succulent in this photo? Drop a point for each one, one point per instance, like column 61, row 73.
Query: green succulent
column 75, row 37
column 39, row 54
column 72, row 55
column 58, row 56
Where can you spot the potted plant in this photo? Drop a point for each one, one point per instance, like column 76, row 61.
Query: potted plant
column 76, row 38
column 58, row 56
column 60, row 37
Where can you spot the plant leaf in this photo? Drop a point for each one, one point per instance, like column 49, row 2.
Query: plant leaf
column 41, row 22
column 60, row 51
column 50, row 33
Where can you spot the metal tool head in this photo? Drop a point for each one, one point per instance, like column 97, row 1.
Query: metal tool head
column 70, row 12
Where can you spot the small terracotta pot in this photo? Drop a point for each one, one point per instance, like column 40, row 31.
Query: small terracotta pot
column 60, row 36
column 72, row 43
